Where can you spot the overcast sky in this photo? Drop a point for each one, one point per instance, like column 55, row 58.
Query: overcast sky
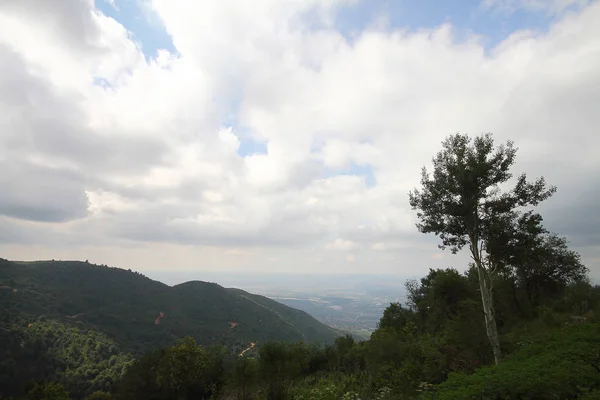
column 281, row 135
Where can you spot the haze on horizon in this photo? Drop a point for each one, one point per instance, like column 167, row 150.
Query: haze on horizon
column 281, row 136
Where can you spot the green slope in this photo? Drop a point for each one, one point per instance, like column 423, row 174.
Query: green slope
column 84, row 361
column 562, row 363
column 124, row 305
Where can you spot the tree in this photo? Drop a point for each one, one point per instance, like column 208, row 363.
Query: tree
column 183, row 370
column 552, row 268
column 280, row 363
column 437, row 299
column 245, row 376
column 537, row 260
column 140, row 380
column 462, row 202
column 49, row 391
column 395, row 316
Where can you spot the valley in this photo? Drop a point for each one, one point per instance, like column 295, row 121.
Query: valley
column 352, row 303
column 355, row 314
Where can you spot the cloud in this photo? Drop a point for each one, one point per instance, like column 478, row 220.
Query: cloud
column 341, row 245
column 379, row 246
column 240, row 253
column 108, row 152
column 71, row 22
column 40, row 193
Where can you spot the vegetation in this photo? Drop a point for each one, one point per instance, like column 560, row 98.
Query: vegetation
column 125, row 305
column 463, row 204
column 525, row 296
column 81, row 361
column 555, row 364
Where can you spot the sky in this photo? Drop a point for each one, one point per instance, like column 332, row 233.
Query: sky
column 281, row 135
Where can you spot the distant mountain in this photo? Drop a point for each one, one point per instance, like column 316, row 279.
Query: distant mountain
column 140, row 313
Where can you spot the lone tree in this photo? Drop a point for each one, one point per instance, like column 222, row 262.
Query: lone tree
column 463, row 204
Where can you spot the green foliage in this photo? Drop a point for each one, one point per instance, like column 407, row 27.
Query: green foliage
column 463, row 200
column 337, row 386
column 183, row 371
column 578, row 298
column 245, row 376
column 183, row 368
column 403, row 359
column 124, row 305
column 591, row 395
column 434, row 346
column 536, row 260
column 140, row 380
column 463, row 204
column 551, row 365
column 99, row 396
column 395, row 317
column 439, row 297
column 84, row 361
column 50, row 391
column 280, row 364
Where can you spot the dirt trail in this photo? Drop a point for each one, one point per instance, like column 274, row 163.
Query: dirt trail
column 157, row 320
column 251, row 346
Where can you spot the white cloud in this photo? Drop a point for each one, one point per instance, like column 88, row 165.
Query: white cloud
column 147, row 166
column 341, row 245
column 380, row 246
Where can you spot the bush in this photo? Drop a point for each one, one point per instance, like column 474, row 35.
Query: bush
column 557, row 365
column 339, row 386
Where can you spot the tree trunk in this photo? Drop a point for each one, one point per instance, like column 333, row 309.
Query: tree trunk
column 487, row 301
column 488, row 311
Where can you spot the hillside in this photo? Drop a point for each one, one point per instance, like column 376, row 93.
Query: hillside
column 126, row 306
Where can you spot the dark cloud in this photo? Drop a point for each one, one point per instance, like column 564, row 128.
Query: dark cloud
column 577, row 213
column 40, row 193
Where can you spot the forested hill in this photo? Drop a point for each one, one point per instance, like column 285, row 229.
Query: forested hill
column 140, row 313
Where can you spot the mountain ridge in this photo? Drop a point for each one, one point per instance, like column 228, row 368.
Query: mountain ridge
column 141, row 313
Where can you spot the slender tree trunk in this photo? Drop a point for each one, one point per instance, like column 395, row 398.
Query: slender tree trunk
column 488, row 312
column 487, row 301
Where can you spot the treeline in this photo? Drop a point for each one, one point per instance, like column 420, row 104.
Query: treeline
column 434, row 347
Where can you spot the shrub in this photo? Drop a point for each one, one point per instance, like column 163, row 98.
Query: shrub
column 556, row 365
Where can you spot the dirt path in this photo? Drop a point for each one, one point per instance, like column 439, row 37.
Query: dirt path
column 251, row 346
